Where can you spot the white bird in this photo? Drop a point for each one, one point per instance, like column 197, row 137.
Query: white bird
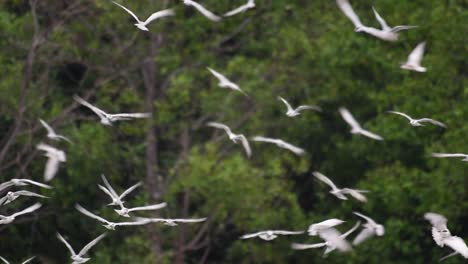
column 355, row 127
column 327, row 232
column 250, row 4
column 171, row 222
column 51, row 133
column 225, row 82
column 124, row 211
column 387, row 28
column 8, row 219
column 341, row 193
column 78, row 258
column 414, row 59
column 208, row 14
column 280, row 143
column 108, row 224
column 142, row 24
column 24, row 262
column 295, row 112
column 451, row 155
column 116, row 199
column 271, row 234
column 315, row 228
column 233, row 137
column 417, row 122
column 329, row 247
column 371, row 228
column 11, row 196
column 22, row 182
column 107, row 119
column 55, row 156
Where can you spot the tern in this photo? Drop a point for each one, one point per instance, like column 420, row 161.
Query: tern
column 123, row 211
column 225, row 82
column 414, row 59
column 208, row 14
column 55, row 156
column 280, row 143
column 22, row 182
column 329, row 246
column 371, row 228
column 249, row 5
column 417, row 122
column 116, row 199
column 24, row 262
column 295, row 112
column 11, row 196
column 341, row 193
column 8, row 219
column 327, row 232
column 108, row 224
column 172, row 222
column 142, row 24
column 51, row 133
column 107, row 119
column 78, row 258
column 271, row 234
column 233, row 137
column 451, row 155
column 355, row 127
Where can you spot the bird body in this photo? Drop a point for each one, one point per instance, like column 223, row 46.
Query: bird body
column 291, row 112
column 355, row 127
column 413, row 62
column 271, row 234
column 341, row 193
column 78, row 258
column 418, row 122
column 11, row 196
column 116, row 199
column 51, row 133
column 371, row 228
column 236, row 138
column 142, row 24
column 55, row 157
column 224, row 82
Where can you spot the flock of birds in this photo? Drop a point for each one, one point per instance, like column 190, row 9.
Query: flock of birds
column 326, row 230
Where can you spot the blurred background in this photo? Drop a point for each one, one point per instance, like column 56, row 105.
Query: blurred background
column 304, row 51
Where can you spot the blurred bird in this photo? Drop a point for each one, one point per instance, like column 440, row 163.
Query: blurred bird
column 329, row 234
column 280, row 143
column 142, row 24
column 414, row 59
column 271, row 234
column 11, row 196
column 341, row 193
column 51, row 133
column 225, row 82
column 8, row 219
column 24, row 262
column 208, row 14
column 171, row 222
column 371, row 228
column 295, row 112
column 250, row 4
column 108, row 224
column 355, row 127
column 417, row 122
column 233, row 137
column 22, row 182
column 55, row 156
column 451, row 155
column 78, row 258
column 116, row 199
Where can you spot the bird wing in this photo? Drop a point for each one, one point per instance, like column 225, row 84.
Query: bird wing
column 286, row 103
column 296, row 150
column 129, row 190
column 448, row 256
column 284, row 232
column 106, row 191
column 368, row 219
column 357, row 195
column 298, row 246
column 382, row 22
column 437, row 220
column 236, row 11
column 28, row 260
column 208, row 14
column 402, row 114
column 139, row 222
column 126, row 116
column 36, row 183
column 47, row 148
column 246, row 145
column 46, row 126
column 369, row 134
column 93, row 108
column 28, row 210
column 247, row 236
column 265, row 139
column 347, row 233
column 402, row 27
column 128, row 11
column 221, row 78
column 416, row 55
column 432, row 121
column 159, row 14
column 60, row 237
column 348, row 117
column 3, row 199
column 324, row 179
column 89, row 214
column 51, row 168
column 308, row 107
column 457, row 244
column 148, row 207
column 365, row 234
column 380, row 34
column 108, row 186
column 333, row 237
column 28, row 193
column 6, row 185
column 347, row 9
column 193, row 220
column 441, row 155
column 91, row 244
column 220, row 126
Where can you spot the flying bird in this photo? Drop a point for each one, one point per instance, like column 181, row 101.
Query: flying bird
column 79, row 258
column 107, row 119
column 55, row 156
column 22, row 182
column 225, row 82
column 355, row 127
column 250, row 4
column 371, row 228
column 172, row 222
column 11, row 196
column 8, row 219
column 24, row 262
column 326, row 231
column 418, row 122
column 233, row 137
column 295, row 112
column 451, row 155
column 341, row 193
column 208, row 14
column 142, row 24
column 280, row 143
column 108, row 224
column 271, row 234
column 116, row 199
column 123, row 211
column 329, row 247
column 414, row 59
column 51, row 133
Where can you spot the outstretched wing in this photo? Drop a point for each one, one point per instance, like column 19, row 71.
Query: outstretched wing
column 348, row 117
column 4, row 260
column 91, row 244
column 89, row 214
column 246, row 145
column 368, row 219
column 457, row 244
column 36, row 183
column 432, row 121
column 28, row 210
column 402, row 27
column 402, row 114
column 296, row 150
column 28, row 260
column 369, row 134
column 298, row 246
column 365, row 234
column 148, row 207
column 220, row 126
column 333, row 237
column 358, row 223
column 347, row 9
column 247, row 236
column 46, row 126
column 324, row 179
column 444, row 155
column 416, row 55
column 108, row 186
column 59, row 236
column 93, row 108
column 126, row 116
column 356, row 194
column 159, row 14
column 265, row 139
column 382, row 22
column 208, row 14
column 51, row 168
column 129, row 190
column 309, row 107
column 236, row 11
column 28, row 193
column 285, row 233
column 193, row 220
column 128, row 11
column 221, row 78
column 286, row 103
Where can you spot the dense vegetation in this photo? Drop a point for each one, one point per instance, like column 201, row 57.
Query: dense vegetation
column 305, row 51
